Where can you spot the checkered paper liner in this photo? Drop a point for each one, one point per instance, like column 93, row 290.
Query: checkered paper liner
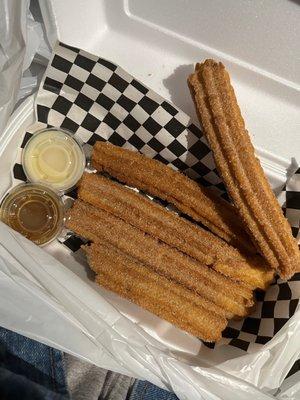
column 290, row 201
column 97, row 100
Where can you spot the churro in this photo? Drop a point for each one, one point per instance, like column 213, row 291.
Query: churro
column 98, row 225
column 241, row 171
column 157, row 179
column 173, row 230
column 127, row 277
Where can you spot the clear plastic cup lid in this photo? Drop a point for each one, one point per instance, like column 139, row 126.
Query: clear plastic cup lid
column 35, row 211
column 53, row 157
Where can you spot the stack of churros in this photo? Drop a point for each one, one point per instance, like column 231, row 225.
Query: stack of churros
column 159, row 180
column 199, row 274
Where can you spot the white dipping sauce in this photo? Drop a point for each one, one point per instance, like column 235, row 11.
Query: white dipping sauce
column 54, row 157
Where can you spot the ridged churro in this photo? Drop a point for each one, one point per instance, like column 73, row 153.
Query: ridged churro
column 129, row 278
column 157, row 179
column 173, row 230
column 97, row 225
column 241, row 171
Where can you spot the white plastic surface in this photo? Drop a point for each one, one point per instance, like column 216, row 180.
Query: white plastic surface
column 21, row 39
column 257, row 40
column 13, row 21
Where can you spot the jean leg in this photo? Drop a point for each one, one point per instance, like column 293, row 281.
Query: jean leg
column 143, row 390
column 24, row 362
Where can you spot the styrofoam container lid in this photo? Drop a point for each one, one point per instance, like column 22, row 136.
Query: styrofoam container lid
column 159, row 44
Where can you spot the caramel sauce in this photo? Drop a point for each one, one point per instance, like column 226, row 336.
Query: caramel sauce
column 34, row 211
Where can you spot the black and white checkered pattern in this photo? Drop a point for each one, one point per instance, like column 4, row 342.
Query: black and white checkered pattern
column 290, row 200
column 98, row 100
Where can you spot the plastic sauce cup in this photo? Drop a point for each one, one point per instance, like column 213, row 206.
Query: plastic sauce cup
column 34, row 211
column 54, row 158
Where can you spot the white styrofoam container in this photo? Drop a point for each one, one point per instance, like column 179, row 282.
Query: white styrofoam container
column 159, row 41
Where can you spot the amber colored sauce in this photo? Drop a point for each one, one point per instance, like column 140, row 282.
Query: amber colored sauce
column 33, row 211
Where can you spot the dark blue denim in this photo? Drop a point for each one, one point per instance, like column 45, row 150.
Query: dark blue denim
column 30, row 370
column 143, row 390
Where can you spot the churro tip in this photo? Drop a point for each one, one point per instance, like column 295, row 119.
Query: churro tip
column 209, row 62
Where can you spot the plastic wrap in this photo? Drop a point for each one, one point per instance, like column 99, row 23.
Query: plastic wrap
column 21, row 40
column 13, row 21
column 44, row 300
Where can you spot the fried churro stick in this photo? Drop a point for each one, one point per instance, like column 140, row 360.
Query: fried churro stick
column 255, row 274
column 168, row 227
column 168, row 300
column 157, row 179
column 241, row 171
column 98, row 225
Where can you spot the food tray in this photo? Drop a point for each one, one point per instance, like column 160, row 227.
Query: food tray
column 156, row 58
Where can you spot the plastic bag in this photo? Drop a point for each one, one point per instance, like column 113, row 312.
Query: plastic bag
column 13, row 17
column 65, row 312
column 21, row 40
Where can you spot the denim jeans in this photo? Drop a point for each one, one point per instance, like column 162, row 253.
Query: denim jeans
column 30, row 370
